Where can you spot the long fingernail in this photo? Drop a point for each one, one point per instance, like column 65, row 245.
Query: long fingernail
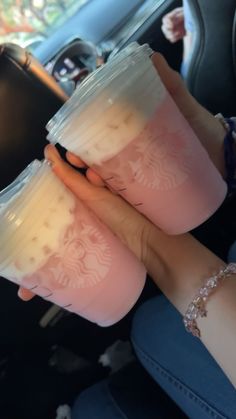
column 51, row 154
column 19, row 293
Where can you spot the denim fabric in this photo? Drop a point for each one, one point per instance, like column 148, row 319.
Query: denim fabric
column 180, row 363
column 232, row 253
column 97, row 403
column 177, row 361
column 130, row 393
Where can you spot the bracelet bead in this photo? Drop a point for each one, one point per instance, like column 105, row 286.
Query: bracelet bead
column 197, row 308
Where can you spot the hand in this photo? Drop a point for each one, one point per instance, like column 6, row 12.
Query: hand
column 207, row 128
column 132, row 228
column 177, row 264
column 173, row 25
column 24, row 294
column 111, row 209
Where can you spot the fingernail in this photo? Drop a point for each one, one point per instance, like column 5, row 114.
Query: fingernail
column 49, row 162
column 51, row 154
column 19, row 293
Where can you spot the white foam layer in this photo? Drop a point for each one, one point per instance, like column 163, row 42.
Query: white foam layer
column 40, row 233
column 94, row 83
column 96, row 139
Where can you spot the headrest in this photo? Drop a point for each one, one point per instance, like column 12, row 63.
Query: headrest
column 211, row 72
column 29, row 97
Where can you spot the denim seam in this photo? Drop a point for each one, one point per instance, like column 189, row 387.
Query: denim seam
column 182, row 387
column 112, row 400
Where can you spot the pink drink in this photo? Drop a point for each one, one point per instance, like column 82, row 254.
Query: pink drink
column 129, row 130
column 164, row 171
column 71, row 259
column 86, row 275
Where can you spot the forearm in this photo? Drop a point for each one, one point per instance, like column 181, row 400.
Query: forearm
column 185, row 265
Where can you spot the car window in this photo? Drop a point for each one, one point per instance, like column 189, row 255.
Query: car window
column 29, row 22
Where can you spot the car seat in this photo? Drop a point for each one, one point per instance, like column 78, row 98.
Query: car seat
column 211, row 71
column 29, row 97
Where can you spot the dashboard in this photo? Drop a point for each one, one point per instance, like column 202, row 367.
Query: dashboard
column 99, row 29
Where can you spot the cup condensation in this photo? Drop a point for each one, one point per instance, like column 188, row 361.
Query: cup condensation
column 54, row 245
column 124, row 124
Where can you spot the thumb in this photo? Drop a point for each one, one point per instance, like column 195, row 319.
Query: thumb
column 122, row 219
column 24, row 294
column 75, row 181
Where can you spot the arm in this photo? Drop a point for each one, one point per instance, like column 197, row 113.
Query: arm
column 179, row 264
column 187, row 264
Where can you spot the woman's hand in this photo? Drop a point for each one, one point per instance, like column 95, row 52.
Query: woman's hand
column 173, row 25
column 177, row 264
column 24, row 294
column 132, row 228
column 208, row 129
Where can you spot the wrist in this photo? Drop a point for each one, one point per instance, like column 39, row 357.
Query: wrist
column 178, row 265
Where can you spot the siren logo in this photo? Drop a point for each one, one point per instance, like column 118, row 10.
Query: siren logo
column 161, row 161
column 159, row 158
column 82, row 259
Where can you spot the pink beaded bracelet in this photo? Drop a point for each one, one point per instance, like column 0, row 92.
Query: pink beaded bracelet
column 197, row 308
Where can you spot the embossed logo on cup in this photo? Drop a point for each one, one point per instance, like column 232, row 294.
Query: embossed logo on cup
column 153, row 160
column 160, row 163
column 84, row 257
column 82, row 260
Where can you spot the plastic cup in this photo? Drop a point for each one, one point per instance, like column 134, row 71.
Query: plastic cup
column 95, row 79
column 52, row 244
column 130, row 131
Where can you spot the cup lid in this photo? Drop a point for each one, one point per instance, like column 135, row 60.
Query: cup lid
column 95, row 83
column 14, row 209
column 80, row 133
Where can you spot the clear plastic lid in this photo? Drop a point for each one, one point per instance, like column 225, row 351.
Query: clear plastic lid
column 96, row 82
column 81, row 130
column 100, row 97
column 97, row 107
column 18, row 201
column 17, row 238
column 11, row 196
column 134, row 48
column 11, row 192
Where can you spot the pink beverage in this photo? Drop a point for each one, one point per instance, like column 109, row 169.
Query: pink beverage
column 55, row 246
column 141, row 145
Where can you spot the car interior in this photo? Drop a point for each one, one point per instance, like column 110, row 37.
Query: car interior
column 48, row 355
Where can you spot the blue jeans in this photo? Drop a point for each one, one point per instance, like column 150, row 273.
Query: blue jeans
column 177, row 361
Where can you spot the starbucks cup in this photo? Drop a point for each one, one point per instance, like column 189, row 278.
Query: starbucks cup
column 124, row 124
column 55, row 246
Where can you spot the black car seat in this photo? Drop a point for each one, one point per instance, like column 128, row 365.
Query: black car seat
column 29, row 97
column 211, row 73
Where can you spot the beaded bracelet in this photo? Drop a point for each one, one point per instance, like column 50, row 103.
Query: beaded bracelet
column 197, row 308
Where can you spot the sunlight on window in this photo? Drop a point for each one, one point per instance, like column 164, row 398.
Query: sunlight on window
column 29, row 22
